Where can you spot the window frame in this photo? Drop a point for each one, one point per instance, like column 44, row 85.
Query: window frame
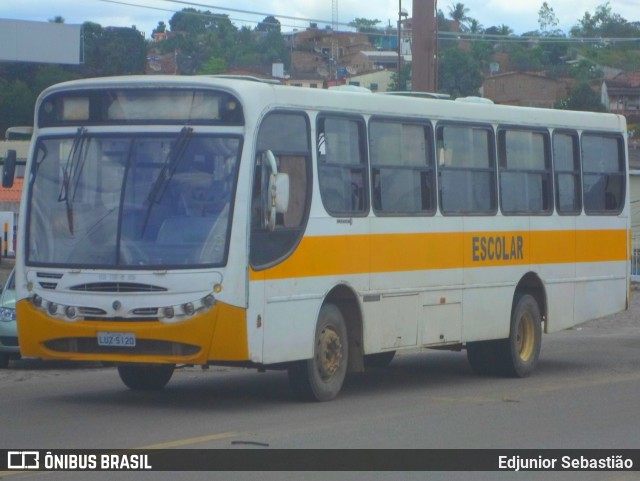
column 308, row 197
column 364, row 162
column 622, row 164
column 501, row 131
column 576, row 172
column 428, row 168
column 492, row 169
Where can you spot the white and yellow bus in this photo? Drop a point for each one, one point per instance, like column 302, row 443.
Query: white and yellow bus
column 208, row 220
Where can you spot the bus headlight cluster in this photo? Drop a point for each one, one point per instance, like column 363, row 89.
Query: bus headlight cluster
column 188, row 308
column 53, row 308
column 169, row 312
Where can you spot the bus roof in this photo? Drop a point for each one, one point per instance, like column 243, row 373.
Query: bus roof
column 257, row 96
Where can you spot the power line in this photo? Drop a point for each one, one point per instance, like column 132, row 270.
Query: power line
column 442, row 35
column 252, row 12
column 204, row 14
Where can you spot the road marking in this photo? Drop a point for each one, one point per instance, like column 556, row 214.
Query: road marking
column 189, row 441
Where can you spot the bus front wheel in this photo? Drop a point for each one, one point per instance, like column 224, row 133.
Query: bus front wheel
column 321, row 377
column 147, row 377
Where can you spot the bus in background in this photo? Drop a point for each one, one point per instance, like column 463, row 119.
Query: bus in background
column 18, row 133
column 204, row 220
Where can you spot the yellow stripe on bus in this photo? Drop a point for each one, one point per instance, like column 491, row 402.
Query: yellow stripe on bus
column 361, row 254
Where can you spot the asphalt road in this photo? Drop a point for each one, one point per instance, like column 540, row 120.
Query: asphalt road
column 584, row 394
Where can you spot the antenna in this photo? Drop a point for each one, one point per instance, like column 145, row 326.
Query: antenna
column 334, row 38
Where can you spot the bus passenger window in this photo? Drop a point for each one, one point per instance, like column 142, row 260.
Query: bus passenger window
column 603, row 174
column 525, row 172
column 466, row 169
column 566, row 158
column 341, row 166
column 401, row 168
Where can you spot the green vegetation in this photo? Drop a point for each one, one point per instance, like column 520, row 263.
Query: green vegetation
column 202, row 42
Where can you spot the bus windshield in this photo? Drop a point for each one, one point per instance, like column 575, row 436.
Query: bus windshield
column 137, row 201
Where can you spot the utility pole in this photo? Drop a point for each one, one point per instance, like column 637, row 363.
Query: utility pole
column 401, row 13
column 424, row 47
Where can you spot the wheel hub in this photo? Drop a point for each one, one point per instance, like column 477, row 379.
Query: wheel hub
column 525, row 337
column 328, row 353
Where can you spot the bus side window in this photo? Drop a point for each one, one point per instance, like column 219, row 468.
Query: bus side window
column 342, row 166
column 566, row 159
column 603, row 173
column 401, row 168
column 286, row 136
column 466, row 169
column 525, row 171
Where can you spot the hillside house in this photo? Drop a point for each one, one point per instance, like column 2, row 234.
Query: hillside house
column 524, row 89
column 621, row 95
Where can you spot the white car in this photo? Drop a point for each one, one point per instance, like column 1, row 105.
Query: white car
column 8, row 326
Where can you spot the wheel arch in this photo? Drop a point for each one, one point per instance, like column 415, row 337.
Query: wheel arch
column 533, row 285
column 345, row 298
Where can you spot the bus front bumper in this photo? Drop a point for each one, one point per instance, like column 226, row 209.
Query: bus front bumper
column 219, row 334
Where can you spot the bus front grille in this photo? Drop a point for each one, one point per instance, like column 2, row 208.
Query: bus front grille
column 117, row 287
column 89, row 345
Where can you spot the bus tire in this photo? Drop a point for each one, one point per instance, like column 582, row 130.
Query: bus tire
column 379, row 359
column 147, row 377
column 520, row 352
column 321, row 377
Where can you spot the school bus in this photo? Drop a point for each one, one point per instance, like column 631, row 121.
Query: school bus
column 207, row 220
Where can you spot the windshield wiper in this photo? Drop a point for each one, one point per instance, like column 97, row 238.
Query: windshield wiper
column 171, row 163
column 71, row 170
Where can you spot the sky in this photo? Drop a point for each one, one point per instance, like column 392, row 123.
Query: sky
column 520, row 15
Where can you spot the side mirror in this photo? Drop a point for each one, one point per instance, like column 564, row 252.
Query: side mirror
column 279, row 189
column 278, row 194
column 9, row 169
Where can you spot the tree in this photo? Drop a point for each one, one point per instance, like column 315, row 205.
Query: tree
column 364, row 24
column 51, row 74
column 459, row 73
column 583, row 98
column 269, row 24
column 603, row 23
column 161, row 28
column 502, row 30
column 213, row 66
column 475, row 26
column 113, row 51
column 190, row 21
column 400, row 84
column 200, row 36
column 16, row 104
column 458, row 13
column 546, row 18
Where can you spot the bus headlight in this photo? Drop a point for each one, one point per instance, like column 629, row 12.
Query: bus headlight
column 70, row 312
column 52, row 308
column 37, row 300
column 188, row 308
column 209, row 301
column 169, row 312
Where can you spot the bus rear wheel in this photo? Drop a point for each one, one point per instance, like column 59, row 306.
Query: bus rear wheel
column 321, row 377
column 522, row 350
column 516, row 356
column 146, row 377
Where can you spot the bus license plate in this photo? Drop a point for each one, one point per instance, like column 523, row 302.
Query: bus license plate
column 117, row 339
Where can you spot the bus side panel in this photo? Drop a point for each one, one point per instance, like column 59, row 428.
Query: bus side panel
column 602, row 267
